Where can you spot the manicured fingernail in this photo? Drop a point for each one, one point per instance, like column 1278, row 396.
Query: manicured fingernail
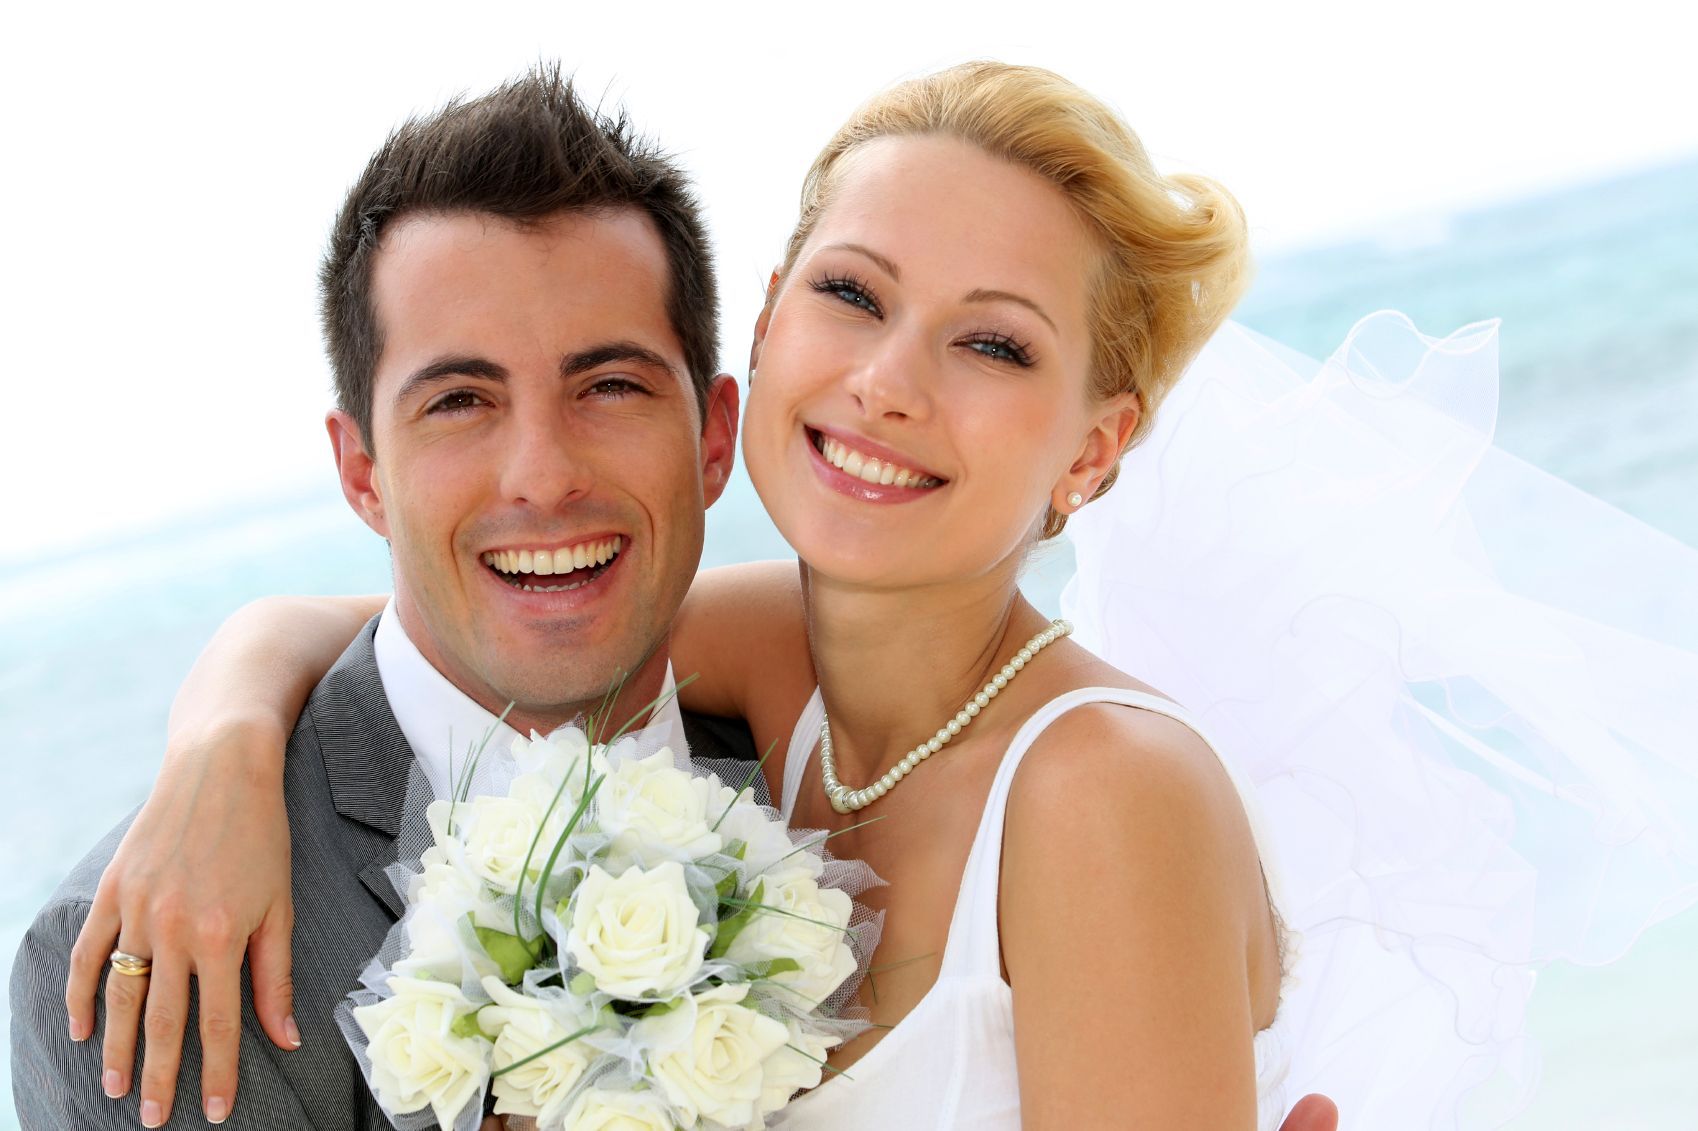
column 217, row 1109
column 291, row 1032
column 77, row 1033
column 113, row 1083
column 152, row 1116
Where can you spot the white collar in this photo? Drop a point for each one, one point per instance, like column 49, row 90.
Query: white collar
column 436, row 717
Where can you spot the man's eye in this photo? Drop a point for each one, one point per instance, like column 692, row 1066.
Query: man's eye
column 616, row 387
column 460, row 400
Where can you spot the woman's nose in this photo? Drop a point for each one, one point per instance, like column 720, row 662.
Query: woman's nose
column 896, row 380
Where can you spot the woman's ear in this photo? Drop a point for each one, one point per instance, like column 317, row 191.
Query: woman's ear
column 761, row 324
column 1109, row 432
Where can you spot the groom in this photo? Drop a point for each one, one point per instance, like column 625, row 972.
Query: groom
column 520, row 313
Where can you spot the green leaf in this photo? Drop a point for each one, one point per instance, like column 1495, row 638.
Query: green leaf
column 772, row 968
column 583, row 984
column 466, row 1025
column 513, row 954
column 730, row 928
column 736, row 849
column 727, row 886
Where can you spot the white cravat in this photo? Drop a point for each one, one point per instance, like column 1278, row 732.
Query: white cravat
column 438, row 719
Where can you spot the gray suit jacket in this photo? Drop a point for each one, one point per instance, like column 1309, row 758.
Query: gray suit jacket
column 345, row 781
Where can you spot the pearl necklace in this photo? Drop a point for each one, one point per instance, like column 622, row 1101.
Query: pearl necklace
column 846, row 800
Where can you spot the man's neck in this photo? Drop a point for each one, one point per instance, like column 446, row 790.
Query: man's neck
column 627, row 701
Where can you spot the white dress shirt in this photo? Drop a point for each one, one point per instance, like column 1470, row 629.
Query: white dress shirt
column 438, row 719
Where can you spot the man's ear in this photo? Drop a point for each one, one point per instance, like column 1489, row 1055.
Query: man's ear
column 357, row 470
column 719, row 437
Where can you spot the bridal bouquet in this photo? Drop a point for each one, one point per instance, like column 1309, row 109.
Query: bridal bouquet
column 609, row 939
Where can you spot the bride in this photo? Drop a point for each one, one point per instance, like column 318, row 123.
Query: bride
column 987, row 297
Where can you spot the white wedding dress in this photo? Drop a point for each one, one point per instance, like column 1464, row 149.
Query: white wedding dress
column 1461, row 690
column 949, row 1065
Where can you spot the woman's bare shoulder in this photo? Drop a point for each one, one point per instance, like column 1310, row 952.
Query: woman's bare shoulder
column 743, row 633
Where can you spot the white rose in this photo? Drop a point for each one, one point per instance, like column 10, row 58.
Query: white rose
column 524, row 1028
column 767, row 841
column 416, row 1059
column 440, row 898
column 806, row 927
column 500, row 833
column 794, row 1066
column 637, row 935
column 561, row 753
column 649, row 803
column 709, row 1064
column 602, row 1109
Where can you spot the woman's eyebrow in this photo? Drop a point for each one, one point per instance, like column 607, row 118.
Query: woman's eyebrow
column 982, row 295
column 862, row 249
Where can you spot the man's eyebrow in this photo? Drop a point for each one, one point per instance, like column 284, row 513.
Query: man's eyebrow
column 862, row 249
column 1005, row 296
column 613, row 353
column 446, row 369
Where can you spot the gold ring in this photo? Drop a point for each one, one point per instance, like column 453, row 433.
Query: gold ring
column 131, row 964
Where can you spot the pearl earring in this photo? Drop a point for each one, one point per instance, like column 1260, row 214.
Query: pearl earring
column 1075, row 500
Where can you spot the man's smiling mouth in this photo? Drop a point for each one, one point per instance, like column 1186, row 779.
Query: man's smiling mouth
column 575, row 566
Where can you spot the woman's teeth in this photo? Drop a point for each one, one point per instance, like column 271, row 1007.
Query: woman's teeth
column 868, row 469
column 588, row 558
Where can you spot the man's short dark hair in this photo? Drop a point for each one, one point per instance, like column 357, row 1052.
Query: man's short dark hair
column 526, row 151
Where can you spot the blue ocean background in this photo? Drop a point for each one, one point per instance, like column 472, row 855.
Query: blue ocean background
column 1597, row 287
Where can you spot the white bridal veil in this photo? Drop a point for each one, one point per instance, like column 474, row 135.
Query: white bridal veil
column 1465, row 692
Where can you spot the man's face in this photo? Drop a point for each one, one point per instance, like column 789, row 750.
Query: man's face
column 540, row 469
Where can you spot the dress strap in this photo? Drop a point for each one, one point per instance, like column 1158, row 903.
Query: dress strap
column 802, row 742
column 975, row 945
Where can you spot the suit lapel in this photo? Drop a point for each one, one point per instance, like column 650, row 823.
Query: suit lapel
column 366, row 760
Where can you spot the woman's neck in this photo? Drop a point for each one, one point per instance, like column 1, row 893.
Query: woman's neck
column 894, row 665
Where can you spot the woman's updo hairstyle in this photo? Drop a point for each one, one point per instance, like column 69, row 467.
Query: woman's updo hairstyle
column 1174, row 251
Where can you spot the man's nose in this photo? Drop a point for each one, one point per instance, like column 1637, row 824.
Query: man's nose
column 897, row 380
column 544, row 460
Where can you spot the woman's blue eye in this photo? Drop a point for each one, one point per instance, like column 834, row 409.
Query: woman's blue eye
column 1000, row 347
column 850, row 291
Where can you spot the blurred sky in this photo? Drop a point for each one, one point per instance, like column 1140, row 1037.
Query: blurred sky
column 171, row 170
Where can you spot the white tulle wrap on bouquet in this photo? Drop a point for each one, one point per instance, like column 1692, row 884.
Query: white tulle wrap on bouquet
column 1465, row 693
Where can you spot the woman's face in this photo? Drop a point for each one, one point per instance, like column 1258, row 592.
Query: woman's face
column 921, row 393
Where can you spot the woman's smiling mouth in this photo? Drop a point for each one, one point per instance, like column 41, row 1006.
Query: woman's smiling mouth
column 870, row 468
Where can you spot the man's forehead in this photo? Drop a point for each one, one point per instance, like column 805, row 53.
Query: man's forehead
column 418, row 238
column 590, row 274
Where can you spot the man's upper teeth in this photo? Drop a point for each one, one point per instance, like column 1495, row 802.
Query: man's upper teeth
column 546, row 562
column 869, row 468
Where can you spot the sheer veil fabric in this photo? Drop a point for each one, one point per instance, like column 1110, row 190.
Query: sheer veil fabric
column 1462, row 691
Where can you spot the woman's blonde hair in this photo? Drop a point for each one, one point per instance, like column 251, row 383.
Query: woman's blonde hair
column 1174, row 251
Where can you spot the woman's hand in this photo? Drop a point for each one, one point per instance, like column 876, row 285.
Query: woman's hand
column 203, row 872
column 201, row 876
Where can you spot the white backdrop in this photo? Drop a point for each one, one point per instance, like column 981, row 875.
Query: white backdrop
column 170, row 171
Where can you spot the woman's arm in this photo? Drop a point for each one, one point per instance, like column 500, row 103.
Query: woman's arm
column 203, row 872
column 743, row 634
column 1131, row 904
